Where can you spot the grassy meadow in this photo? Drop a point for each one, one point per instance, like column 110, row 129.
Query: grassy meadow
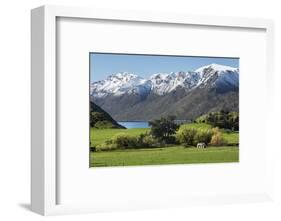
column 166, row 155
column 174, row 154
column 99, row 136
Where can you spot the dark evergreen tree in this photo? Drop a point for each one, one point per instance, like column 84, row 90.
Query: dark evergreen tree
column 164, row 128
column 224, row 119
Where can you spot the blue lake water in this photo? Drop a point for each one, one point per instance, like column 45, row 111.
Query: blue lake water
column 134, row 124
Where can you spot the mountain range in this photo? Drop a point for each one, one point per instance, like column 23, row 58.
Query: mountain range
column 187, row 95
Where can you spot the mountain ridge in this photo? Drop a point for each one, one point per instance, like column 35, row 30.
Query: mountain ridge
column 126, row 96
column 162, row 83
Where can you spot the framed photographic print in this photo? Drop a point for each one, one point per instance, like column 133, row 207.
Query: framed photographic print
column 136, row 110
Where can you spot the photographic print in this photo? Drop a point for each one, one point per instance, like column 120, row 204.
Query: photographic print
column 163, row 109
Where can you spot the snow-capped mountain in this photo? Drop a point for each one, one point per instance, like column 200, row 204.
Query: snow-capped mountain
column 165, row 83
column 183, row 94
column 120, row 83
column 217, row 67
column 216, row 75
column 213, row 75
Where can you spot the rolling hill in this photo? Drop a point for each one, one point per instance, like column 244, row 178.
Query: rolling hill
column 101, row 119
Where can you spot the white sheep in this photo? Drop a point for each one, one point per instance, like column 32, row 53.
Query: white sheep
column 201, row 145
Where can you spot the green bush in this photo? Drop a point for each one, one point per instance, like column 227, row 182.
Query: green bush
column 103, row 124
column 203, row 136
column 146, row 140
column 106, row 147
column 186, row 135
column 124, row 141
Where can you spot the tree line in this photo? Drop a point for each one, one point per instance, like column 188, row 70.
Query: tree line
column 222, row 119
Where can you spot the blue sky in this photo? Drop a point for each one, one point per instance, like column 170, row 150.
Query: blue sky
column 102, row 64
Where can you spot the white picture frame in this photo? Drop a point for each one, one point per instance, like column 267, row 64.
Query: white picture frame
column 45, row 176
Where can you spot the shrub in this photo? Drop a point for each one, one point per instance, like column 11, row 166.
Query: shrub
column 217, row 138
column 216, row 130
column 203, row 136
column 186, row 135
column 146, row 140
column 106, row 147
column 191, row 136
column 124, row 141
column 103, row 124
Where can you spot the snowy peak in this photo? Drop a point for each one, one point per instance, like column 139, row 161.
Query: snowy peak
column 122, row 76
column 216, row 67
column 213, row 75
column 119, row 84
column 165, row 83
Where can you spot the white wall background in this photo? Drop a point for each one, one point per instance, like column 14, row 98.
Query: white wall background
column 15, row 107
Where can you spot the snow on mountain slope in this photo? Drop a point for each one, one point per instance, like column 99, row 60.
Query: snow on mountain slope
column 162, row 83
column 217, row 67
column 215, row 74
column 119, row 84
column 165, row 83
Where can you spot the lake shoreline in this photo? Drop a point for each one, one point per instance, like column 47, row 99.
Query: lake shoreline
column 134, row 124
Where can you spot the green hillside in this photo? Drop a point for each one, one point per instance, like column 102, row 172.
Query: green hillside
column 101, row 119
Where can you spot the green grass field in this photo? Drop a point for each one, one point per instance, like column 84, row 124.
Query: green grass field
column 99, row 136
column 167, row 155
column 157, row 156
